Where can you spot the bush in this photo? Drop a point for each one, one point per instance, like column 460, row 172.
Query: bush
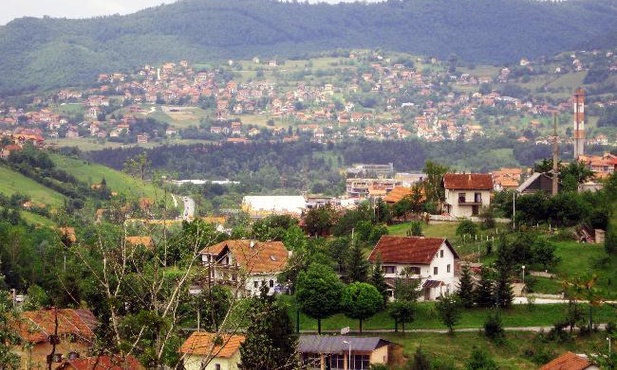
column 493, row 328
column 611, row 327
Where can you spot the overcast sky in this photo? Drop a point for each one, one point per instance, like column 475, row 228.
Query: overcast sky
column 12, row 9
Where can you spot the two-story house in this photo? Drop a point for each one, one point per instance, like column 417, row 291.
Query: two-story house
column 430, row 261
column 209, row 351
column 467, row 193
column 245, row 265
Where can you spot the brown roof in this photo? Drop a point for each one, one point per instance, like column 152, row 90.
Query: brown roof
column 146, row 241
column 567, row 361
column 468, row 181
column 253, row 256
column 397, row 194
column 202, row 343
column 36, row 326
column 102, row 363
column 408, row 250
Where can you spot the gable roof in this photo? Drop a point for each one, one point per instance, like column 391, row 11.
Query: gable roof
column 202, row 343
column 568, row 361
column 37, row 326
column 145, row 241
column 335, row 344
column 102, row 362
column 253, row 256
column 397, row 194
column 408, row 250
column 468, row 181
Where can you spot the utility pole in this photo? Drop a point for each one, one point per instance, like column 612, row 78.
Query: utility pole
column 555, row 184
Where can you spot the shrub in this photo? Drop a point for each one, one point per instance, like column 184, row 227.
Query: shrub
column 493, row 327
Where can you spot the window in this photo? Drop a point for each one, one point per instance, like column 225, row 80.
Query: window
column 448, row 268
column 360, row 362
column 271, row 283
column 414, row 270
column 255, row 284
column 389, row 269
column 461, row 197
column 441, row 253
column 217, row 367
column 435, row 270
column 477, row 197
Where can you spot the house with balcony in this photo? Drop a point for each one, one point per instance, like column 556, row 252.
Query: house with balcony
column 342, row 352
column 245, row 265
column 429, row 261
column 466, row 193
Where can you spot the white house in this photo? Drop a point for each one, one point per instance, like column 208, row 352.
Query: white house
column 467, row 193
column 432, row 261
column 245, row 265
column 220, row 352
column 264, row 205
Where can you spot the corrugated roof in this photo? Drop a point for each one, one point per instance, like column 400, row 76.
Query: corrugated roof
column 567, row 361
column 408, row 250
column 335, row 344
column 36, row 326
column 253, row 256
column 102, row 363
column 202, row 343
column 468, row 181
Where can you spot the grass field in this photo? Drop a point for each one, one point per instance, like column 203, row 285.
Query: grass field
column 120, row 182
column 13, row 183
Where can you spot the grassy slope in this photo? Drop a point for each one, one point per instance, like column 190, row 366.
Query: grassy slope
column 13, row 182
column 92, row 173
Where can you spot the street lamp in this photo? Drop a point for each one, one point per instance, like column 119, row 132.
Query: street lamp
column 523, row 267
column 349, row 358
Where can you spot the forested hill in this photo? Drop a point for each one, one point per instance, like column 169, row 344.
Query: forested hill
column 52, row 52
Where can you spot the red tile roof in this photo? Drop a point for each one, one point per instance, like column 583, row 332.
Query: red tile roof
column 36, row 326
column 468, row 181
column 102, row 363
column 253, row 256
column 408, row 250
column 202, row 343
column 567, row 361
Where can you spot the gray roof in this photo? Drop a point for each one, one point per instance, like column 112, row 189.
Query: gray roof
column 335, row 344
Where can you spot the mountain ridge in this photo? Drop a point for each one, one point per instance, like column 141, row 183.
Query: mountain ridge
column 43, row 53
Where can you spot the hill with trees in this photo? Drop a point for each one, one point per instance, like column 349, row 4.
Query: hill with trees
column 48, row 52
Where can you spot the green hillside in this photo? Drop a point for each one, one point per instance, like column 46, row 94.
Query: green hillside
column 15, row 183
column 119, row 182
column 48, row 52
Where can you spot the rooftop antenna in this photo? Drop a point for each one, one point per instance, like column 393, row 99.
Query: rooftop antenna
column 555, row 184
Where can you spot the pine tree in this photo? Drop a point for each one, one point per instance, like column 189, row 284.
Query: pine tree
column 503, row 289
column 270, row 341
column 420, row 361
column 483, row 292
column 357, row 264
column 465, row 288
column 378, row 279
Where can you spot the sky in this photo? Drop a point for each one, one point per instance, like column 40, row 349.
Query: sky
column 11, row 9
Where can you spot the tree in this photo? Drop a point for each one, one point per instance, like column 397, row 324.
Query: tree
column 318, row 292
column 356, row 265
column 493, row 328
column 319, row 220
column 483, row 292
column 420, row 361
column 270, row 342
column 466, row 227
column 9, row 360
column 465, row 287
column 479, row 360
column 433, row 185
column 402, row 312
column 378, row 279
column 449, row 311
column 503, row 289
column 361, row 301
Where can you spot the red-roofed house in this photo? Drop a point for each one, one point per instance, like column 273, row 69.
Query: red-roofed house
column 101, row 363
column 216, row 352
column 75, row 334
column 430, row 260
column 245, row 265
column 569, row 361
column 467, row 193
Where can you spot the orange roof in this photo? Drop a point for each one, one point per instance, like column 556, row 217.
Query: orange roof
column 567, row 361
column 202, row 343
column 103, row 362
column 36, row 326
column 397, row 194
column 253, row 256
column 146, row 241
column 408, row 250
column 468, row 181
